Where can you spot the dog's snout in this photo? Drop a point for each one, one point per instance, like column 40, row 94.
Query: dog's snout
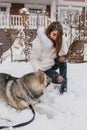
column 49, row 80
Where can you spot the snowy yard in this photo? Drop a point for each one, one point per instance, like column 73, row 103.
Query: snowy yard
column 69, row 109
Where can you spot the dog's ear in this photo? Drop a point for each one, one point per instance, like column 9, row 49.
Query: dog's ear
column 41, row 76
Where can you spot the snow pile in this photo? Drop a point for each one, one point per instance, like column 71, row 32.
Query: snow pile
column 68, row 111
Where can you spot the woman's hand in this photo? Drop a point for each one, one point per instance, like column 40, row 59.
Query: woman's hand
column 61, row 59
column 60, row 79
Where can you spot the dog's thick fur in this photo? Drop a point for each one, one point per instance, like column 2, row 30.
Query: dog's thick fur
column 20, row 92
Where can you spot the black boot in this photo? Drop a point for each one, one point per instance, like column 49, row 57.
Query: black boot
column 63, row 87
column 63, row 73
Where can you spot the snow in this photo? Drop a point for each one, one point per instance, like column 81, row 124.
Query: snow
column 24, row 10
column 69, row 111
column 65, row 112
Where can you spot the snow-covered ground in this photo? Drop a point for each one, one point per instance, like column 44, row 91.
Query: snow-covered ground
column 69, row 109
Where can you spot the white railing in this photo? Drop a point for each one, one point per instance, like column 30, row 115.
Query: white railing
column 10, row 21
column 15, row 21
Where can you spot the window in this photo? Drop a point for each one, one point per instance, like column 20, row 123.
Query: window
column 34, row 10
column 2, row 9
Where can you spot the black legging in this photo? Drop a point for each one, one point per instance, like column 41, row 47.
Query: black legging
column 53, row 74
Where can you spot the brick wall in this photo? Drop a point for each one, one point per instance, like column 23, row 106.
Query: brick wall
column 15, row 8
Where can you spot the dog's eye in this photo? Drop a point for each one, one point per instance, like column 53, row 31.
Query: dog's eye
column 47, row 77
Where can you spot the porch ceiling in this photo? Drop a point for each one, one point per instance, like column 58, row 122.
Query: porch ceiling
column 28, row 1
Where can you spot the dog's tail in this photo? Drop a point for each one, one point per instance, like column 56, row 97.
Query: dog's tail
column 22, row 124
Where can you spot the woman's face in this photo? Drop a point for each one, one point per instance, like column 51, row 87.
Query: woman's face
column 54, row 35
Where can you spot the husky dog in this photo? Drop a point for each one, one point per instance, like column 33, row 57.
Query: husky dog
column 20, row 92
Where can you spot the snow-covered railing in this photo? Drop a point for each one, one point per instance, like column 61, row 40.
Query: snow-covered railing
column 10, row 21
column 4, row 21
column 66, row 34
column 15, row 21
column 38, row 20
column 70, row 34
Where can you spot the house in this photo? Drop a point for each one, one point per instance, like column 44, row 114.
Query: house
column 46, row 10
column 41, row 12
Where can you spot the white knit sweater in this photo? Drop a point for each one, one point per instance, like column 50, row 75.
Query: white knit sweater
column 43, row 53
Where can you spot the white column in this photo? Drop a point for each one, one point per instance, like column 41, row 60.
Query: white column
column 8, row 16
column 53, row 10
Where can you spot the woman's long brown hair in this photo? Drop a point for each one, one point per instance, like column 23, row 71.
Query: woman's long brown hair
column 56, row 26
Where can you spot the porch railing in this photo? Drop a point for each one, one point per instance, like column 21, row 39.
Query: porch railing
column 15, row 21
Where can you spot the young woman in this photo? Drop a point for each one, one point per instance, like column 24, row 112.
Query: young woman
column 49, row 54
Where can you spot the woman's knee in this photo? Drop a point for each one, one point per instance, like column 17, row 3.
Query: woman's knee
column 60, row 79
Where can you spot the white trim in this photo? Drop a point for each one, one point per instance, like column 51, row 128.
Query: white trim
column 35, row 6
column 67, row 7
column 75, row 4
column 5, row 5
